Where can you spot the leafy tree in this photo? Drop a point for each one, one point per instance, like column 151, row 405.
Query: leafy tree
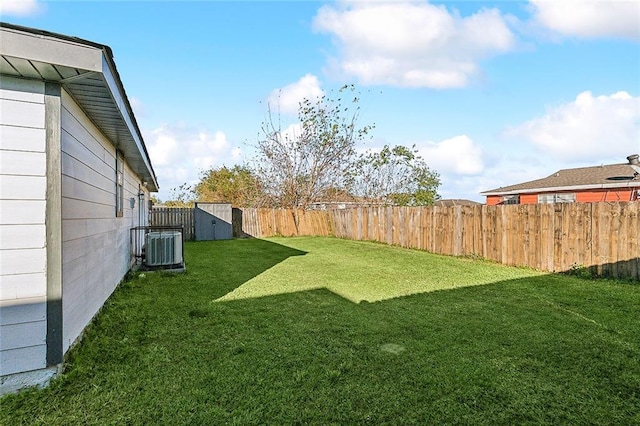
column 395, row 176
column 237, row 185
column 299, row 167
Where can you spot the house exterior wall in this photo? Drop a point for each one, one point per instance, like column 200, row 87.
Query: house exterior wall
column 95, row 243
column 604, row 195
column 493, row 200
column 592, row 196
column 23, row 256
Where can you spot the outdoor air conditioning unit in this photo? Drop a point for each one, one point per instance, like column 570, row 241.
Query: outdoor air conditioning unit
column 163, row 248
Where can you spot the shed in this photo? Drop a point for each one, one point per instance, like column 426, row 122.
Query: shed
column 75, row 177
column 212, row 221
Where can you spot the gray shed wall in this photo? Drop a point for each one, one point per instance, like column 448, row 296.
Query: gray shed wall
column 213, row 221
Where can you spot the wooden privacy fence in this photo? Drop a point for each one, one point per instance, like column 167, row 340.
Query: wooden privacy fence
column 173, row 216
column 551, row 237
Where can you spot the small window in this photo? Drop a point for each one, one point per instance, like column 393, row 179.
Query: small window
column 511, row 199
column 545, row 198
column 556, row 198
column 565, row 198
column 119, row 184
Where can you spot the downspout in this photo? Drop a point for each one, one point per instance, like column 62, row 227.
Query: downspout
column 140, row 233
column 141, row 206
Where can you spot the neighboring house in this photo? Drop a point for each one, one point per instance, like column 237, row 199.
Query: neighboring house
column 75, row 176
column 612, row 182
column 335, row 205
column 451, row 202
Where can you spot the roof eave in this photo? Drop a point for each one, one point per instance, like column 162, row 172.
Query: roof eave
column 91, row 58
column 122, row 103
column 630, row 184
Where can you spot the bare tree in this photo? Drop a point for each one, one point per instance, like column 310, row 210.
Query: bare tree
column 303, row 163
column 181, row 196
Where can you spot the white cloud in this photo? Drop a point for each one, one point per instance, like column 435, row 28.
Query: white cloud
column 291, row 133
column 589, row 18
column 591, row 128
column 505, row 168
column 458, row 155
column 179, row 153
column 513, row 167
column 412, row 43
column 19, row 7
column 288, row 98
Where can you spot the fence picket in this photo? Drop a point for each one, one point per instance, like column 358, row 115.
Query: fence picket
column 174, row 216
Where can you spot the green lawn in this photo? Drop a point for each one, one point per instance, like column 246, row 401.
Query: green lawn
column 328, row 331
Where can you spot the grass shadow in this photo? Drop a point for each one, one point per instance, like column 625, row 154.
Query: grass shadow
column 366, row 271
column 231, row 263
column 628, row 270
column 544, row 349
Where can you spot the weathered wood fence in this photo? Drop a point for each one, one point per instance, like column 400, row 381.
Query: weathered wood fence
column 551, row 237
column 175, row 216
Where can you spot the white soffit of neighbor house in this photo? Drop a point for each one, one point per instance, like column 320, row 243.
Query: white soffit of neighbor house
column 86, row 70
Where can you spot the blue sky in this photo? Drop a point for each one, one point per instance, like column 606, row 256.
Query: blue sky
column 491, row 93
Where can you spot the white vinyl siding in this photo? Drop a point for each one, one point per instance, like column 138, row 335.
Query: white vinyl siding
column 95, row 243
column 23, row 257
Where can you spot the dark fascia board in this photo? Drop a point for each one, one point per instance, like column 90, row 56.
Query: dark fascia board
column 108, row 68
